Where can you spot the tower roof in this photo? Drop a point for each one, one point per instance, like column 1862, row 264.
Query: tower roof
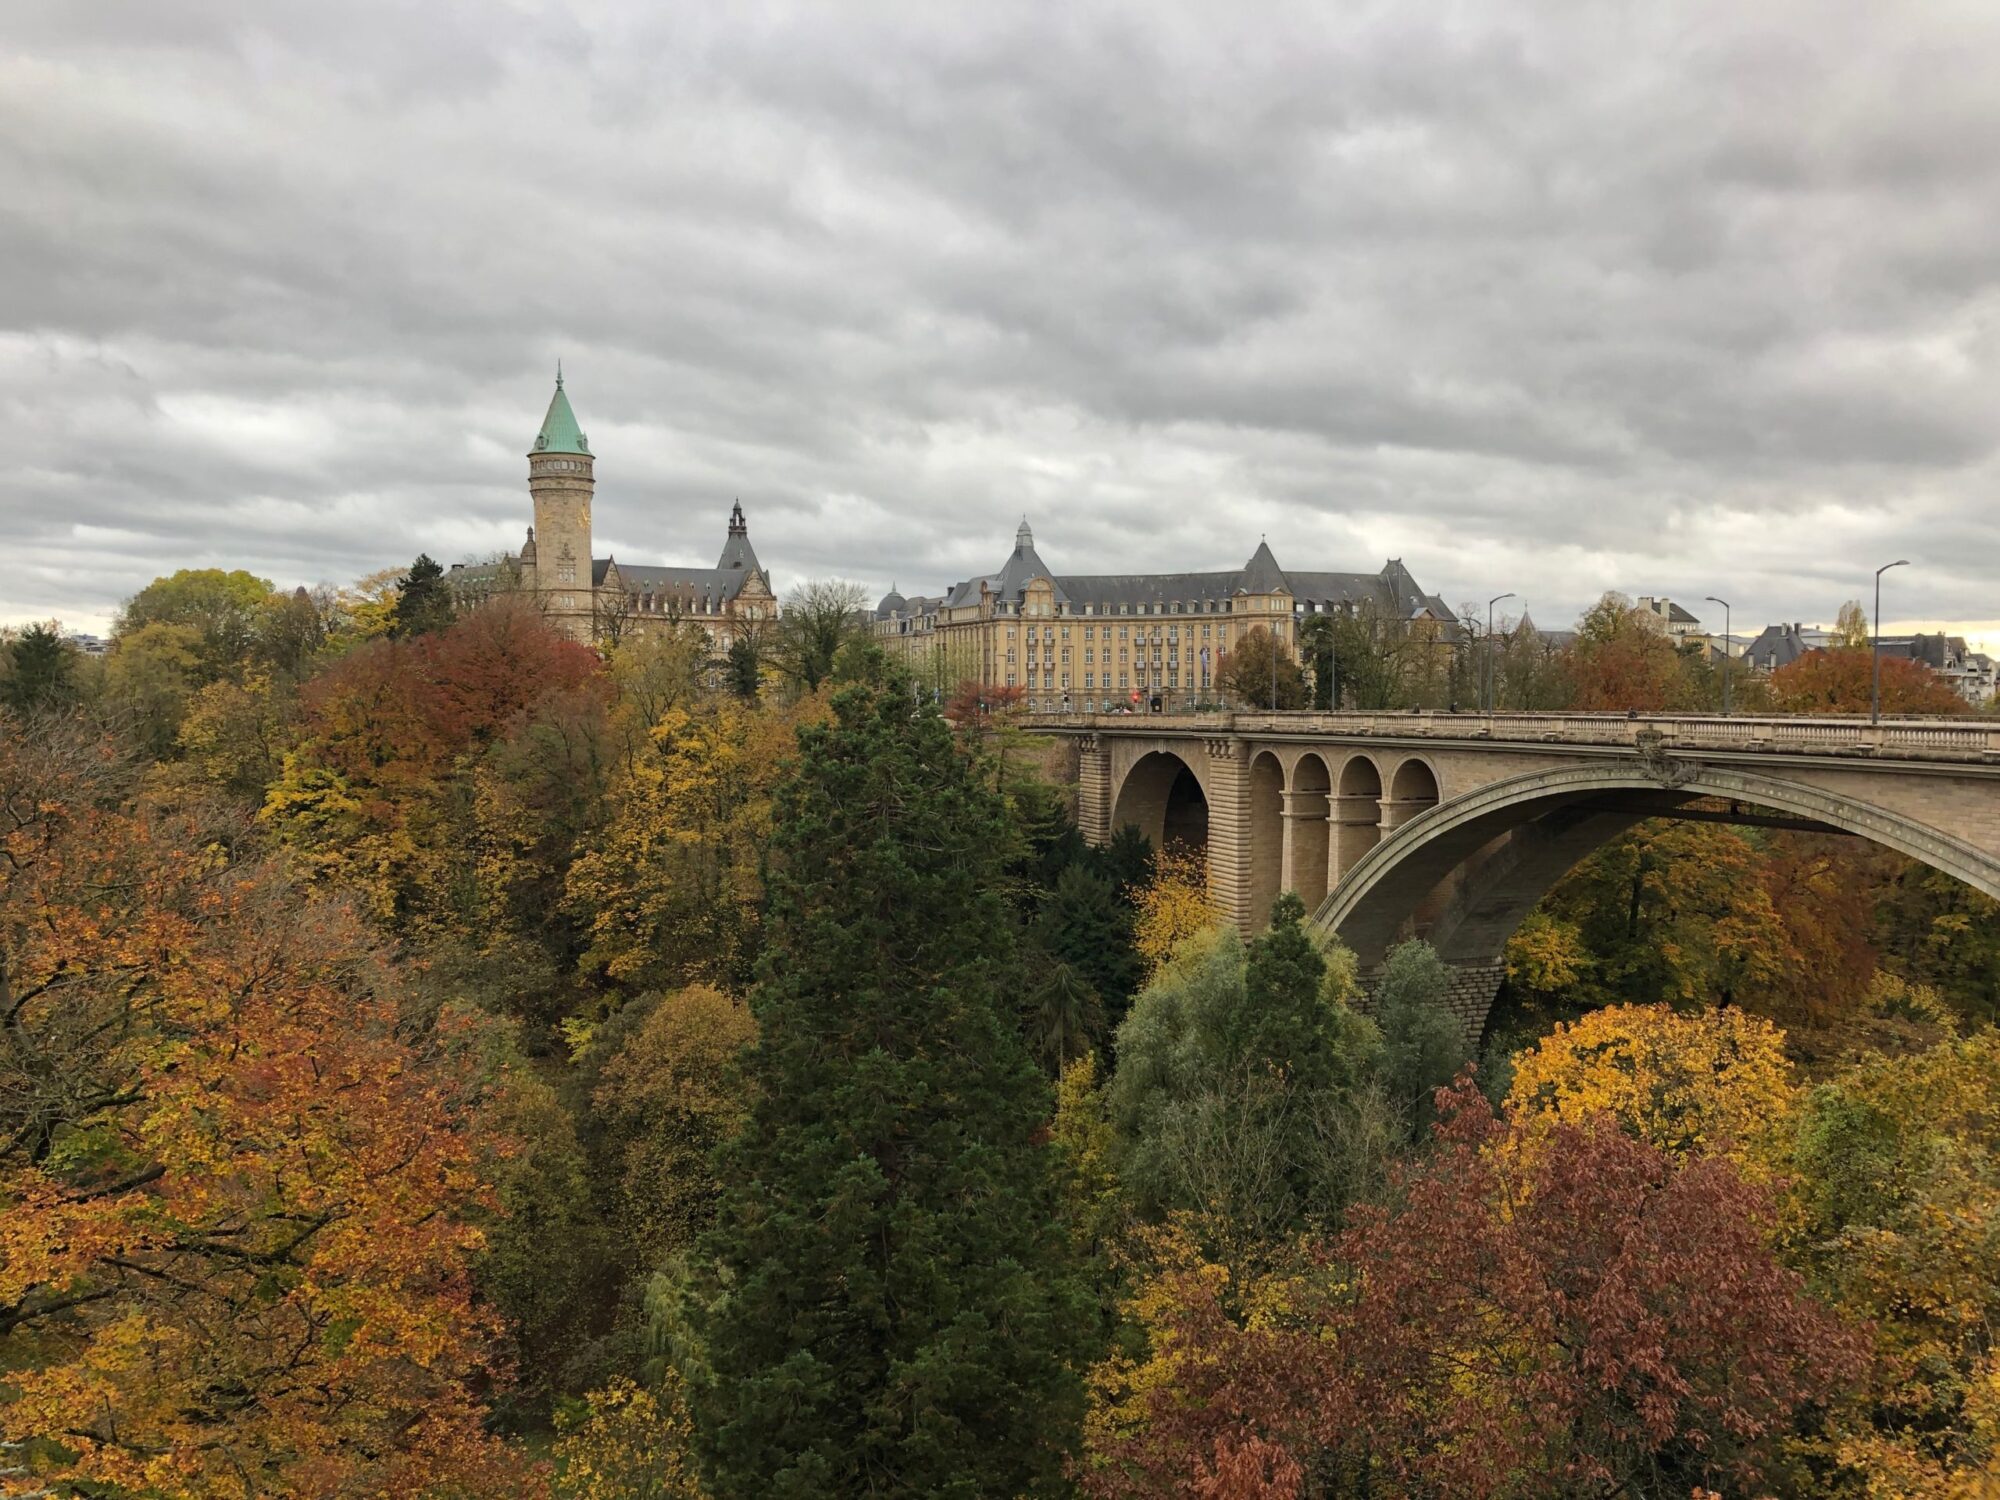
column 1262, row 575
column 559, row 433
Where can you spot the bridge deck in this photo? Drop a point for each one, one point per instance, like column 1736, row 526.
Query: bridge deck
column 1976, row 740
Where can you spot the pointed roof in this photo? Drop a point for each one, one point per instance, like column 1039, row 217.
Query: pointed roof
column 1262, row 575
column 738, row 556
column 559, row 433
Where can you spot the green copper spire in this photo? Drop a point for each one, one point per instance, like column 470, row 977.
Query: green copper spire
column 559, row 433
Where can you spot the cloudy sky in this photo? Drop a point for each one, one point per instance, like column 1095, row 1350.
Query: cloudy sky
column 1551, row 298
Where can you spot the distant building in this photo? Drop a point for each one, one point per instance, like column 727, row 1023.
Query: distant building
column 1675, row 620
column 1122, row 640
column 599, row 598
column 1972, row 674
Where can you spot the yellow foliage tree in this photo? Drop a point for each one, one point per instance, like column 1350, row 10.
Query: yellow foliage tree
column 1173, row 906
column 1896, row 1196
column 670, row 893
column 1683, row 1082
column 630, row 1443
column 1546, row 955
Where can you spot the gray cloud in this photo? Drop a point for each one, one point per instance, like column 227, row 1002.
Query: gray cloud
column 1552, row 297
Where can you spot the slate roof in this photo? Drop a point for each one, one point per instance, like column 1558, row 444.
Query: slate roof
column 1392, row 590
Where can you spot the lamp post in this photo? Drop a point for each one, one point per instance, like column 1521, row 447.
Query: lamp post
column 1489, row 647
column 1875, row 645
column 1725, row 651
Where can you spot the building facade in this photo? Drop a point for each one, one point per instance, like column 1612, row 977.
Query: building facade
column 1102, row 642
column 599, row 599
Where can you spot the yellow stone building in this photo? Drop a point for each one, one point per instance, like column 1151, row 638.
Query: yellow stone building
column 599, row 599
column 1104, row 642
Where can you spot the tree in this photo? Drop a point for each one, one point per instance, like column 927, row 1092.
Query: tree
column 1172, row 906
column 1850, row 630
column 1623, row 660
column 1262, row 673
column 628, row 1443
column 1593, row 1321
column 1683, row 1083
column 1085, row 925
column 743, row 668
column 1842, row 682
column 1319, row 639
column 423, row 602
column 662, row 1098
column 41, row 671
column 669, row 894
column 1896, row 1216
column 818, row 619
column 222, row 609
column 1237, row 1085
column 890, row 1309
column 150, row 673
column 1423, row 1042
column 237, row 1251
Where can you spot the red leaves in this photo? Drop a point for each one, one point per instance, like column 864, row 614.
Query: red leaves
column 1515, row 1325
column 1842, row 681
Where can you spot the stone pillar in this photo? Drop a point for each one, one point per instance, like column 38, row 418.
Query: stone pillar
column 1468, row 995
column 1305, row 826
column 1229, row 850
column 1357, row 826
column 1093, row 790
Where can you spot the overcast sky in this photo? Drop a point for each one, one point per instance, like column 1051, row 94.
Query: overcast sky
column 1669, row 297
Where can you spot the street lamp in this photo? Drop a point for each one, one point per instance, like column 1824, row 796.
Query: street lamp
column 1875, row 645
column 1725, row 652
column 1489, row 646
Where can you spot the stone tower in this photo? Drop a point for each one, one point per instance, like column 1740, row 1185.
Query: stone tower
column 561, row 481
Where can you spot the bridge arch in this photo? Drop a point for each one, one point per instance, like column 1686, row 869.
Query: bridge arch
column 1163, row 797
column 1465, row 872
column 1267, row 833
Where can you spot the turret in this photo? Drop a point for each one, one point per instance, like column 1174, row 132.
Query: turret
column 561, row 480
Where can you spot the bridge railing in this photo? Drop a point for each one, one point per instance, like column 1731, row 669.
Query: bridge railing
column 1947, row 739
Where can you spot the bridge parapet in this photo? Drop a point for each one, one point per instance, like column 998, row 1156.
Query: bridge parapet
column 1916, row 739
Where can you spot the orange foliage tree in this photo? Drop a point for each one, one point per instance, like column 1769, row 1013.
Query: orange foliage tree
column 234, row 1251
column 1570, row 1321
column 1840, row 681
column 1623, row 660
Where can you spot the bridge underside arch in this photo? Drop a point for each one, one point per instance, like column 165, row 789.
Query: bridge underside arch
column 1465, row 873
column 1163, row 798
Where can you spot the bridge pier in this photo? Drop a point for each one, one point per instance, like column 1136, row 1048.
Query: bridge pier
column 1306, row 861
column 1469, row 996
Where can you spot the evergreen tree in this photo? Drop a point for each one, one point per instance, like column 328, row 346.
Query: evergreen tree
column 425, row 602
column 743, row 671
column 1127, row 861
column 1085, row 925
column 43, row 670
column 1423, row 1043
column 888, row 1307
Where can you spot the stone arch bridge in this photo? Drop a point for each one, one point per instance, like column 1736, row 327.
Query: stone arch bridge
column 1451, row 827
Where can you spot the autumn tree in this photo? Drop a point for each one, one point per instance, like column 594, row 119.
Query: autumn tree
column 220, row 608
column 663, row 1093
column 236, row 1255
column 1262, row 673
column 1841, row 681
column 1896, row 1189
column 1850, row 629
column 891, row 1309
column 1683, row 1082
column 1594, row 1320
column 1172, row 905
column 1622, row 659
column 668, row 893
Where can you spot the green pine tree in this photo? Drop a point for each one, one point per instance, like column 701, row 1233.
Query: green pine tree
column 425, row 602
column 888, row 1307
column 1085, row 926
column 743, row 671
column 43, row 670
